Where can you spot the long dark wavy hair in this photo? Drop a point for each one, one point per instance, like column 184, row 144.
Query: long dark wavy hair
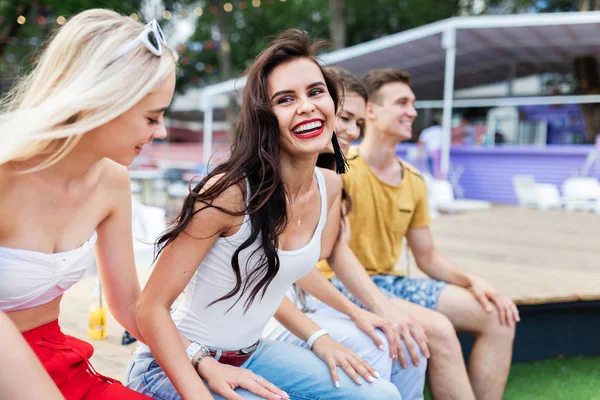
column 255, row 155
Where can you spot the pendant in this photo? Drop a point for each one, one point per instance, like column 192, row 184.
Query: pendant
column 299, row 222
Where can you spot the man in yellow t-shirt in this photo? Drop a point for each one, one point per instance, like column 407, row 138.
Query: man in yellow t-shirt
column 389, row 203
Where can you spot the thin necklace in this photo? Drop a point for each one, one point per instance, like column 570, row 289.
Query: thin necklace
column 305, row 203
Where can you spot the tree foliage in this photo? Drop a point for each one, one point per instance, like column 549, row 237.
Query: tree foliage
column 250, row 28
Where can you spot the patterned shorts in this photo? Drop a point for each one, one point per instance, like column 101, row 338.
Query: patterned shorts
column 422, row 291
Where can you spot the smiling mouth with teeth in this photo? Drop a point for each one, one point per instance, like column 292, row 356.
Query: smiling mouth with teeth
column 309, row 130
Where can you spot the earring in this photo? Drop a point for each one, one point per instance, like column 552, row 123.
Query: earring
column 341, row 165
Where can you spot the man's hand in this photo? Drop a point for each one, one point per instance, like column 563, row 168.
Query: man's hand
column 409, row 332
column 489, row 297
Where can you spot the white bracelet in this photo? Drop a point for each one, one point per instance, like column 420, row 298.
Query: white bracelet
column 315, row 336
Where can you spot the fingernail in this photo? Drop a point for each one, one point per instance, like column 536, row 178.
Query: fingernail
column 381, row 347
column 278, row 396
column 489, row 309
column 377, row 375
column 371, row 379
column 337, row 384
column 360, row 381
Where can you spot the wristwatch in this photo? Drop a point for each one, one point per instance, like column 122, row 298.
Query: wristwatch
column 194, row 348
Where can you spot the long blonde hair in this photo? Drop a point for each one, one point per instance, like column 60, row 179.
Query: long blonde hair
column 75, row 88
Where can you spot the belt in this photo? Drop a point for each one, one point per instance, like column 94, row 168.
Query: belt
column 234, row 358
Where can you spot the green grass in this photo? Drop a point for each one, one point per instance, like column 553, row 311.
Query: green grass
column 559, row 379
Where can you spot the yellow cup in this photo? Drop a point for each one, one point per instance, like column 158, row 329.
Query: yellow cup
column 97, row 323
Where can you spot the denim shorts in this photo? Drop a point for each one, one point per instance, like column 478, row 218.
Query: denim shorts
column 421, row 291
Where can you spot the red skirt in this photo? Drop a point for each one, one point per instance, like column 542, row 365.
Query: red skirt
column 66, row 359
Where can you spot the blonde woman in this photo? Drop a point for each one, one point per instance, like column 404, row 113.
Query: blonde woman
column 67, row 133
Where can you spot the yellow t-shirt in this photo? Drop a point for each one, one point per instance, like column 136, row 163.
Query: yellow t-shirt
column 381, row 215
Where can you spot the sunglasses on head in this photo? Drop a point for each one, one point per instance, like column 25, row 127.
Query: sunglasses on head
column 152, row 37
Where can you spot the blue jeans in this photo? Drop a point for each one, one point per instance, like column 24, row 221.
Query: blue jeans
column 297, row 371
column 409, row 382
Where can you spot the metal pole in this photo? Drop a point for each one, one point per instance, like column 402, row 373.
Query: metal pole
column 207, row 130
column 449, row 44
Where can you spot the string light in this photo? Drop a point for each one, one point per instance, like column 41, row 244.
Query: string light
column 242, row 5
column 61, row 20
column 198, row 11
column 256, row 3
column 134, row 17
column 166, row 14
column 21, row 20
column 227, row 7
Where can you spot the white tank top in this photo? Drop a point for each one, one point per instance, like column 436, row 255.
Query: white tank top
column 218, row 328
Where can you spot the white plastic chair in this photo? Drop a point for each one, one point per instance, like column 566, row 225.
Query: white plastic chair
column 538, row 195
column 581, row 193
column 548, row 196
column 524, row 186
column 444, row 198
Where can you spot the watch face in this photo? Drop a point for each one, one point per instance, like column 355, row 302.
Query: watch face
column 193, row 349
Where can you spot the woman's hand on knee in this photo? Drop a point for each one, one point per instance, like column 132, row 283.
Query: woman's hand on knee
column 410, row 333
column 223, row 379
column 337, row 355
column 368, row 322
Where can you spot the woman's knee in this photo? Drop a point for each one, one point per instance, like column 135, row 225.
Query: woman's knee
column 381, row 389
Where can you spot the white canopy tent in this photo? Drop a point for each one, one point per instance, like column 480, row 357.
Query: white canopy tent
column 463, row 52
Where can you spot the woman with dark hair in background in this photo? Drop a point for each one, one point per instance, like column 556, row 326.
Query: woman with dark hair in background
column 247, row 232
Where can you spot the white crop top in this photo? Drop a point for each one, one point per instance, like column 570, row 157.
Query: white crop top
column 31, row 278
column 215, row 327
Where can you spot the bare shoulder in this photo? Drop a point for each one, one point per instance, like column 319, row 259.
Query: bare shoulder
column 113, row 187
column 232, row 197
column 113, row 176
column 215, row 214
column 334, row 184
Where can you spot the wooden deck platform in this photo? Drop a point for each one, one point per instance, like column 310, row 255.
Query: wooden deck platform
column 536, row 257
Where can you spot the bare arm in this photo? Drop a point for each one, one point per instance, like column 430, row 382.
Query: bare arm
column 24, row 377
column 114, row 254
column 294, row 320
column 433, row 263
column 437, row 266
column 316, row 285
column 355, row 278
column 173, row 271
column 327, row 349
